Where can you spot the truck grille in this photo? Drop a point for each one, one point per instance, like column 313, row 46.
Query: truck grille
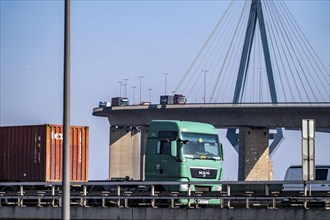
column 204, row 173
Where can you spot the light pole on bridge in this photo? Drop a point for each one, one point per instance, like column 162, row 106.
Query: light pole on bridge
column 140, row 77
column 150, row 95
column 125, row 88
column 133, row 87
column 165, row 74
column 120, row 85
column 205, row 72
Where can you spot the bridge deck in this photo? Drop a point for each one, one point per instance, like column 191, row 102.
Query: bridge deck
column 226, row 115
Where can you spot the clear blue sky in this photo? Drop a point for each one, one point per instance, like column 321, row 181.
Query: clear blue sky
column 113, row 40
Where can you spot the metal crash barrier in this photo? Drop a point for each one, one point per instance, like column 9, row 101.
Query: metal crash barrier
column 248, row 194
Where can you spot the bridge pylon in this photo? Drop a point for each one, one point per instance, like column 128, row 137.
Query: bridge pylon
column 241, row 146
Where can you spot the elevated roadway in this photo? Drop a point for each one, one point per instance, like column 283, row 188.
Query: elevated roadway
column 288, row 115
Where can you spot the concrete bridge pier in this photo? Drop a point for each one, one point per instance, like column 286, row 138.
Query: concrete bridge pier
column 253, row 154
column 127, row 152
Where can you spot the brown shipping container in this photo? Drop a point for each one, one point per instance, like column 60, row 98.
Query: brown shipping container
column 34, row 153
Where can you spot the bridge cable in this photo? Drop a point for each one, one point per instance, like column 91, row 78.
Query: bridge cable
column 226, row 57
column 275, row 18
column 313, row 55
column 276, row 29
column 299, row 51
column 217, row 60
column 306, row 40
column 202, row 58
column 213, row 52
column 274, row 45
column 293, row 57
column 226, row 72
column 224, row 65
column 286, row 49
column 204, row 45
column 296, row 51
column 240, row 38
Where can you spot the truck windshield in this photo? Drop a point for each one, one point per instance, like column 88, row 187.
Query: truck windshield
column 202, row 146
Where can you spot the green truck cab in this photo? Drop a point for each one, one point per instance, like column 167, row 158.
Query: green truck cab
column 184, row 151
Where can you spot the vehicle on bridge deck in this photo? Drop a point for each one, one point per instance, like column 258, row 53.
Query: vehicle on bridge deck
column 176, row 99
column 104, row 104
column 295, row 172
column 145, row 103
column 119, row 101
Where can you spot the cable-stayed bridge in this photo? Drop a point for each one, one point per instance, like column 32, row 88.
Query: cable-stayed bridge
column 255, row 72
column 256, row 53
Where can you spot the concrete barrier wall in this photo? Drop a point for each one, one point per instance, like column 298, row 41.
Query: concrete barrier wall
column 163, row 213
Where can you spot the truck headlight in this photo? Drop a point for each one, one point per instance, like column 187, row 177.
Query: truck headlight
column 184, row 187
column 218, row 188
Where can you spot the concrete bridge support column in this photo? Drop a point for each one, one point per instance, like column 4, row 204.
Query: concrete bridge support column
column 253, row 155
column 143, row 143
column 126, row 153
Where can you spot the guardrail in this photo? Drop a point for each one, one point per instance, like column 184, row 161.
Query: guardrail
column 269, row 194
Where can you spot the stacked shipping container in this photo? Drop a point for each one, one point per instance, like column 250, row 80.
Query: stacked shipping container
column 34, row 153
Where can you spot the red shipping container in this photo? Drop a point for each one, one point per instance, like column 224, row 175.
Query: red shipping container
column 34, row 153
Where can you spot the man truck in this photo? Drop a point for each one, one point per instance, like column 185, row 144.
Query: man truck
column 184, row 151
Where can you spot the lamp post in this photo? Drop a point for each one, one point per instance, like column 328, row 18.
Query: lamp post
column 165, row 74
column 140, row 77
column 204, row 71
column 133, row 87
column 150, row 95
column 120, row 84
column 125, row 88
column 66, row 116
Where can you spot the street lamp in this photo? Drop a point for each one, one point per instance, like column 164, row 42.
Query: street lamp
column 165, row 74
column 120, row 84
column 150, row 95
column 140, row 86
column 133, row 87
column 125, row 94
column 204, row 71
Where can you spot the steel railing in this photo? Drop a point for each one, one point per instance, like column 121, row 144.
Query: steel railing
column 269, row 194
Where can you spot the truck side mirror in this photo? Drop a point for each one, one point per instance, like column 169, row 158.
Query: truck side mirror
column 183, row 141
column 221, row 152
column 174, row 149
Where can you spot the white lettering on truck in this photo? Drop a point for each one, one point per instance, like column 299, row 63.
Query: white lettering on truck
column 204, row 173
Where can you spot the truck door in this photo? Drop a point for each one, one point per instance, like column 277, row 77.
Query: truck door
column 167, row 168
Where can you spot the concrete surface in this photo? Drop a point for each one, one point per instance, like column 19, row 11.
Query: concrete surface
column 164, row 213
